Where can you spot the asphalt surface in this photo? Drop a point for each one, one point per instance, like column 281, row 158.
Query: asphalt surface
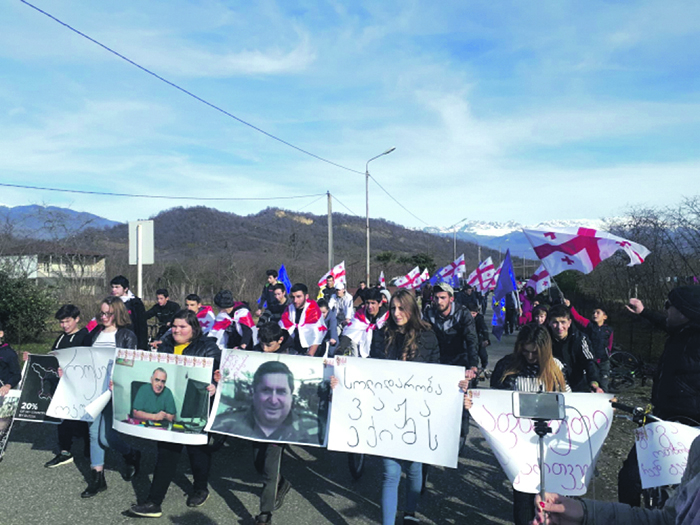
column 323, row 491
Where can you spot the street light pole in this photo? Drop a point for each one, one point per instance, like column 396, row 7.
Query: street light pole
column 367, row 203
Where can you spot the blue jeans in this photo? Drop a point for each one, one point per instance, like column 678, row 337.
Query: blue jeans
column 103, row 436
column 390, row 487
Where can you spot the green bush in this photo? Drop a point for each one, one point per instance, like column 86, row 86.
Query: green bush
column 24, row 308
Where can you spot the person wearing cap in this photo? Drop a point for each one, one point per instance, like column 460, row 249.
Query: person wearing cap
column 676, row 391
column 342, row 304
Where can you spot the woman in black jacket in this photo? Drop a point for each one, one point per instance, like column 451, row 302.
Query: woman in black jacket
column 111, row 332
column 186, row 338
column 405, row 337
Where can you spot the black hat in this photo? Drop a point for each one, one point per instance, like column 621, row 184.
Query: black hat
column 224, row 299
column 687, row 300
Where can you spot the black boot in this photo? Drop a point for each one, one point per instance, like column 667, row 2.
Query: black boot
column 96, row 485
column 133, row 464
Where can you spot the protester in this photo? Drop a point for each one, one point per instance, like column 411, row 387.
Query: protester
column 530, row 368
column 572, row 348
column 600, row 336
column 304, row 321
column 68, row 317
column 10, row 373
column 483, row 334
column 682, row 508
column 135, row 308
column 111, row 332
column 204, row 313
column 267, row 296
column 186, row 339
column 163, row 311
column 405, row 337
column 675, row 394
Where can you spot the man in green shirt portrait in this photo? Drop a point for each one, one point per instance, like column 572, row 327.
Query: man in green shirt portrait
column 154, row 402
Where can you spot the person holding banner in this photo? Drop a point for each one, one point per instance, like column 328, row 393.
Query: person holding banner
column 530, row 368
column 405, row 337
column 186, row 339
column 682, row 508
column 111, row 332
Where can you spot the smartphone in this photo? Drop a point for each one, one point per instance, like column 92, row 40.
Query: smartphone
column 547, row 405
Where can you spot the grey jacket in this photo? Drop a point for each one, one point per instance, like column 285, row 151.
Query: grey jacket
column 607, row 513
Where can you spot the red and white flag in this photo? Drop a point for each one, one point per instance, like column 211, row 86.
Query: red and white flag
column 482, row 276
column 458, row 266
column 580, row 249
column 311, row 328
column 540, row 280
column 382, row 281
column 407, row 280
column 338, row 273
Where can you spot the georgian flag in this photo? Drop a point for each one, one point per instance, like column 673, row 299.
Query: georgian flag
column 540, row 280
column 482, row 276
column 407, row 280
column 580, row 249
column 360, row 330
column 206, row 318
column 382, row 281
column 311, row 329
column 338, row 273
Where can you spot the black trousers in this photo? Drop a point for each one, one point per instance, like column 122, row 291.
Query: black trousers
column 268, row 462
column 629, row 483
column 166, row 467
column 523, row 507
column 69, row 429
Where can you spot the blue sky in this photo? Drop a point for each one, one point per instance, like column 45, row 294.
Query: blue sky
column 498, row 110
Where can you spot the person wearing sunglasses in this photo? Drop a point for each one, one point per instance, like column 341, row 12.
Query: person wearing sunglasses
column 530, row 368
column 675, row 395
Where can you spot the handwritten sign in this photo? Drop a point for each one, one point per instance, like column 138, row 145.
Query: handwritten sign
column 85, row 376
column 569, row 453
column 176, row 410
column 40, row 378
column 662, row 452
column 397, row 409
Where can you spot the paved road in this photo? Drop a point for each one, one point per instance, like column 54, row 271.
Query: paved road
column 323, row 491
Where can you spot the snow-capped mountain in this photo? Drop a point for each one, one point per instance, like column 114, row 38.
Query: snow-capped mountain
column 508, row 235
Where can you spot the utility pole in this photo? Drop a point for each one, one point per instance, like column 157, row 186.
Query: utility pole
column 330, row 231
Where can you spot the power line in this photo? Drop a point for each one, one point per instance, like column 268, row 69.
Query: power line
column 397, row 202
column 344, row 206
column 171, row 197
column 189, row 93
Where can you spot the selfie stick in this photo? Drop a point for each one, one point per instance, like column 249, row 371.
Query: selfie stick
column 542, row 428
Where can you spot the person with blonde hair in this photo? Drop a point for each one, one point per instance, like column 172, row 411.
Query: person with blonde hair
column 530, row 368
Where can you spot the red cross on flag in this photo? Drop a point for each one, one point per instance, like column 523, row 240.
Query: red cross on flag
column 540, row 280
column 580, row 249
column 482, row 276
column 338, row 273
column 407, row 280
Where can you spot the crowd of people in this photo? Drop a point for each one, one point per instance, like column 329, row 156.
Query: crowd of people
column 556, row 350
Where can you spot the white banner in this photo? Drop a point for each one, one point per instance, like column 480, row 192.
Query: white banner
column 86, row 373
column 397, row 409
column 662, row 452
column 570, row 455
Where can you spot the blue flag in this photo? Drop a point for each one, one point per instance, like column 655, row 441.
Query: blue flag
column 506, row 284
column 284, row 278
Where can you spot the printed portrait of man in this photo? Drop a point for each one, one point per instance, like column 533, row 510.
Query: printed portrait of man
column 154, row 401
column 271, row 416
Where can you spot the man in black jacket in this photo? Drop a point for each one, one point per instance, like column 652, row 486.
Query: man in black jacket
column 163, row 311
column 676, row 391
column 137, row 311
column 573, row 349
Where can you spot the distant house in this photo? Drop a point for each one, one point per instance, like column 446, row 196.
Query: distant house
column 56, row 266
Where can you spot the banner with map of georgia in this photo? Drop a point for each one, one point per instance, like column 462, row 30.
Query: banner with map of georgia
column 86, row 372
column 39, row 382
